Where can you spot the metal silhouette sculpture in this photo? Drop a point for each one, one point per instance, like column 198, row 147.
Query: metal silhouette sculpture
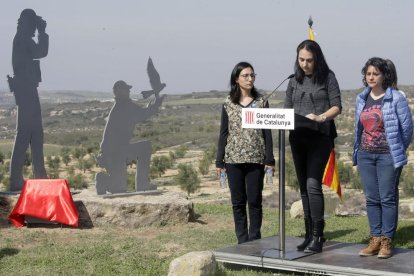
column 154, row 79
column 116, row 149
column 27, row 76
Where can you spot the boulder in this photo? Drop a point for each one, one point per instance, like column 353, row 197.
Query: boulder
column 6, row 205
column 201, row 263
column 127, row 210
column 406, row 209
column 296, row 210
column 272, row 200
column 164, row 208
column 352, row 204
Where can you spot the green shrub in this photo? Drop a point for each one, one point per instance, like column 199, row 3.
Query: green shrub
column 290, row 174
column 407, row 180
column 4, row 176
column 187, row 178
column 160, row 164
column 54, row 164
column 180, row 152
column 131, row 181
column 76, row 181
column 204, row 165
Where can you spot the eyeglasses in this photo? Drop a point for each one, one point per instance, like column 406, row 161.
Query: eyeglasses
column 246, row 76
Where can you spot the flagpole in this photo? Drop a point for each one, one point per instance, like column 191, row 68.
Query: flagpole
column 331, row 167
column 282, row 193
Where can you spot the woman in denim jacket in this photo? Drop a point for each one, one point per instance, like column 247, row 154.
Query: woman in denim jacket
column 383, row 132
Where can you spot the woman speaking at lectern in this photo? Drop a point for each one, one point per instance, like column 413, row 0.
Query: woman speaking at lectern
column 315, row 97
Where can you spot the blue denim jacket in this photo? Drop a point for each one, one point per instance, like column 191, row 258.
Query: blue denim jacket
column 398, row 124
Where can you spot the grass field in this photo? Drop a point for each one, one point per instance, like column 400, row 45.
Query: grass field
column 148, row 251
column 6, row 146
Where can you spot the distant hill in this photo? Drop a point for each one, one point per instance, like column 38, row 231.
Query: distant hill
column 79, row 117
column 60, row 96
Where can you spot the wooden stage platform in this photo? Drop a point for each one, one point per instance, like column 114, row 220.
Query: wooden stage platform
column 336, row 259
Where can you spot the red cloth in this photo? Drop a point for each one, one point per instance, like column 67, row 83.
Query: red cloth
column 47, row 199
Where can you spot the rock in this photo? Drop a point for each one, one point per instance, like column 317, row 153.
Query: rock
column 352, row 204
column 406, row 209
column 6, row 206
column 194, row 264
column 133, row 211
column 165, row 208
column 296, row 210
column 272, row 200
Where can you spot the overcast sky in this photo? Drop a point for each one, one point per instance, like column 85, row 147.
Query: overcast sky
column 196, row 43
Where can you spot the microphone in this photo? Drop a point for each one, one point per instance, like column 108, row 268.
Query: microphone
column 313, row 101
column 269, row 95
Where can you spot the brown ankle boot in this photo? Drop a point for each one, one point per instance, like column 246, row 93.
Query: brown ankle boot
column 386, row 248
column 373, row 248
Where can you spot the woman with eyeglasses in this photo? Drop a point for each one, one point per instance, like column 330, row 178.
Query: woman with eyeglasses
column 244, row 153
column 383, row 132
column 315, row 97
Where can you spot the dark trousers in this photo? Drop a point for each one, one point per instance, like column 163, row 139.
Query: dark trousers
column 310, row 151
column 246, row 185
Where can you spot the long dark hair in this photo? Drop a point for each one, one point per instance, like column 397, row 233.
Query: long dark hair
column 234, row 86
column 393, row 73
column 382, row 66
column 321, row 69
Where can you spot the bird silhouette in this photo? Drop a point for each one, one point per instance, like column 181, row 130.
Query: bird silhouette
column 154, row 79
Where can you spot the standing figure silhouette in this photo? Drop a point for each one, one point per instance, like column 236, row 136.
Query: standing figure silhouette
column 26, row 79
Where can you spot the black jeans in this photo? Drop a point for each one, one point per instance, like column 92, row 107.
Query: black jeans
column 246, row 185
column 310, row 151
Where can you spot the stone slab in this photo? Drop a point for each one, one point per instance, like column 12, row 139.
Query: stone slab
column 133, row 210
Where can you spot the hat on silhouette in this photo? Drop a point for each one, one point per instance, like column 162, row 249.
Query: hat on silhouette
column 28, row 14
column 121, row 85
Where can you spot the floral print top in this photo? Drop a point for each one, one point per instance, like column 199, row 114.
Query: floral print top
column 243, row 145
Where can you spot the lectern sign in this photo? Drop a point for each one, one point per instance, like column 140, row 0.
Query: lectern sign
column 268, row 118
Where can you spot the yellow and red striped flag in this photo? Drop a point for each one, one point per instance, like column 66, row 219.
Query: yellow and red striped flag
column 311, row 34
column 330, row 176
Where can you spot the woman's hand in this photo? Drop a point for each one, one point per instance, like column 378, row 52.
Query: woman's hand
column 329, row 114
column 218, row 171
column 317, row 118
column 272, row 167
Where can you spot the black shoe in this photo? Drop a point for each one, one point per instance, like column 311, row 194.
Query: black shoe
column 304, row 244
column 308, row 235
column 316, row 245
column 317, row 240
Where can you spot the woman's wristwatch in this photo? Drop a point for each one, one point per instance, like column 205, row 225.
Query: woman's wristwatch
column 323, row 117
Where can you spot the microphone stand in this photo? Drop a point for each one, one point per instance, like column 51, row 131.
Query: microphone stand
column 281, row 181
column 269, row 95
